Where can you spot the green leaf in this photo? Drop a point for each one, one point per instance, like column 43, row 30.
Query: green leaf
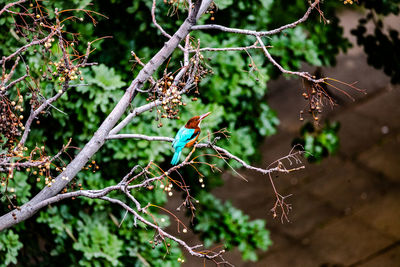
column 105, row 78
column 222, row 4
column 99, row 246
column 9, row 247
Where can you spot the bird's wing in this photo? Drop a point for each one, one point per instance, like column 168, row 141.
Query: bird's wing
column 178, row 135
column 183, row 136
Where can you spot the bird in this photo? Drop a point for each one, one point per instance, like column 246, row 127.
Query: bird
column 187, row 136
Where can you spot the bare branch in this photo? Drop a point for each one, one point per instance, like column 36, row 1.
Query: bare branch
column 23, row 48
column 6, row 7
column 9, row 76
column 139, row 61
column 221, row 150
column 146, row 107
column 153, row 17
column 223, row 49
column 203, row 8
column 187, row 40
column 201, row 254
column 15, row 81
column 257, row 33
column 304, row 75
column 163, row 32
column 98, row 139
column 102, row 194
column 34, row 114
column 140, row 136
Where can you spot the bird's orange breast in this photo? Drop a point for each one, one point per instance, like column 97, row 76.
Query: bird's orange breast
column 191, row 142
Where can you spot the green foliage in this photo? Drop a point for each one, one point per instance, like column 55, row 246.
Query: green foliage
column 319, row 142
column 9, row 247
column 300, row 45
column 84, row 231
column 19, row 186
column 99, row 246
column 105, row 78
column 324, row 39
column 221, row 222
column 96, row 240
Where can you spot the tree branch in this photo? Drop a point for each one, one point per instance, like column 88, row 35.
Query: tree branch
column 224, row 49
column 23, row 48
column 163, row 32
column 98, row 139
column 224, row 152
column 6, row 7
column 304, row 75
column 258, row 33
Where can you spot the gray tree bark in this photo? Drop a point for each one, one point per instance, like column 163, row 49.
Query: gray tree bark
column 99, row 137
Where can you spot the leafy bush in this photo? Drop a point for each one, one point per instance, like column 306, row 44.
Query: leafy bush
column 220, row 222
column 318, row 142
column 9, row 247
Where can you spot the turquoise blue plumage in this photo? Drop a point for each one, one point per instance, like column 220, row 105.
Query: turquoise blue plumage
column 187, row 136
column 182, row 138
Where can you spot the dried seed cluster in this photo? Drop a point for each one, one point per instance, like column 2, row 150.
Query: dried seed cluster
column 158, row 240
column 10, row 120
column 170, row 98
column 212, row 10
column 315, row 97
column 63, row 73
column 43, row 172
column 33, row 25
column 40, row 168
column 201, row 181
column 47, row 44
column 167, row 188
column 169, row 91
column 91, row 166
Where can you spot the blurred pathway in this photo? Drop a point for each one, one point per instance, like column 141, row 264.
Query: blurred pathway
column 346, row 210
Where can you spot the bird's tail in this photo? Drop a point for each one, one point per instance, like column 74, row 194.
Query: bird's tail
column 175, row 158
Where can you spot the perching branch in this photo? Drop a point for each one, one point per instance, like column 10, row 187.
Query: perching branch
column 277, row 166
column 224, row 152
column 125, row 186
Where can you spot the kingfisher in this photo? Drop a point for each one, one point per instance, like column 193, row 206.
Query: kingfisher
column 187, row 136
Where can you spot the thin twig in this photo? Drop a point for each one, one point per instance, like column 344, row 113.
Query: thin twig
column 258, row 33
column 6, row 7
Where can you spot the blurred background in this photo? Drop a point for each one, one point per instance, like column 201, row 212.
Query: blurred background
column 346, row 207
column 345, row 202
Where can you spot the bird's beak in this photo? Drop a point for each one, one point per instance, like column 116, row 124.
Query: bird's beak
column 204, row 115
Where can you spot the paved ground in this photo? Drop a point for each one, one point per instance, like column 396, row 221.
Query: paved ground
column 346, row 210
